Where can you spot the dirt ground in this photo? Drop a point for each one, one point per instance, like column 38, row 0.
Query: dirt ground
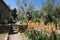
column 18, row 36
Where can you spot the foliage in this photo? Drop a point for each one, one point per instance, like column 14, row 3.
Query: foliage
column 23, row 9
column 5, row 21
column 58, row 36
column 31, row 7
column 49, row 13
column 35, row 35
column 14, row 15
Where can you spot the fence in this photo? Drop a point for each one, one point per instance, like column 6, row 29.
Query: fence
column 6, row 27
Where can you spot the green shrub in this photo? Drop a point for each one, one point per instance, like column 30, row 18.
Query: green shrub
column 35, row 35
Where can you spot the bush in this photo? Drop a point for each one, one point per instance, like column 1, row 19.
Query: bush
column 35, row 35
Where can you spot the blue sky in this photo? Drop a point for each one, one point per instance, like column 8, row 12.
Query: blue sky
column 11, row 3
column 37, row 3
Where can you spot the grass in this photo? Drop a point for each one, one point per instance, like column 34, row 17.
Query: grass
column 35, row 35
column 58, row 36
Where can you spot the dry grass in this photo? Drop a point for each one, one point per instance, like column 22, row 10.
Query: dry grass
column 49, row 27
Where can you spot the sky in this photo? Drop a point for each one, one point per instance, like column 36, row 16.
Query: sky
column 37, row 3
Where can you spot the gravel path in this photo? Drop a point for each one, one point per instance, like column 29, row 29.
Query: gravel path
column 19, row 36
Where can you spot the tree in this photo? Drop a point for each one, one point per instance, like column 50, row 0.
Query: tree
column 23, row 9
column 31, row 7
column 48, row 10
column 14, row 15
